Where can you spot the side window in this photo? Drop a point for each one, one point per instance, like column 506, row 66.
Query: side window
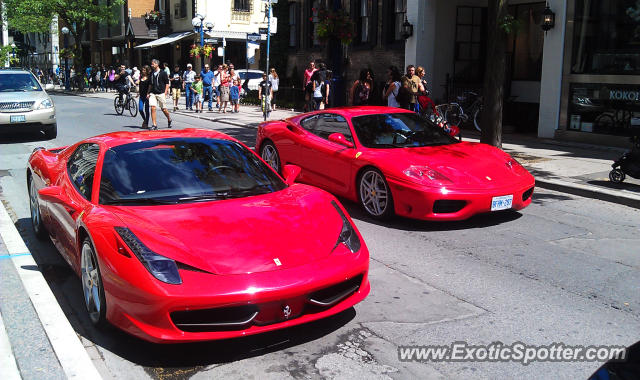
column 82, row 167
column 309, row 123
column 329, row 123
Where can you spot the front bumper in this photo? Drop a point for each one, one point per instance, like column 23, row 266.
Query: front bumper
column 151, row 310
column 415, row 201
column 42, row 119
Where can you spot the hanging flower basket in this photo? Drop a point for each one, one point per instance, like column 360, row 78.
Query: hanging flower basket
column 197, row 50
column 334, row 24
column 152, row 18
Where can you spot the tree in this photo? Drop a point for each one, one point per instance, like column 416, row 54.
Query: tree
column 499, row 24
column 8, row 54
column 33, row 16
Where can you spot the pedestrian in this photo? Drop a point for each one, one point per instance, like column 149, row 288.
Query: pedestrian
column 393, row 87
column 217, row 76
column 135, row 74
column 207, row 83
column 234, row 95
column 143, row 91
column 188, row 77
column 224, row 89
column 158, row 90
column 112, row 78
column 306, row 83
column 327, row 89
column 167, row 69
column 361, row 89
column 413, row 83
column 423, row 82
column 275, row 82
column 264, row 88
column 197, row 93
column 176, row 86
column 317, row 93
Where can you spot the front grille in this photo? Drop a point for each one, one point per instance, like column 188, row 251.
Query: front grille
column 244, row 316
column 16, row 106
column 448, row 206
column 527, row 194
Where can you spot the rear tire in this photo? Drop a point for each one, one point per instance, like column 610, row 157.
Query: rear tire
column 477, row 114
column 617, row 176
column 133, row 107
column 118, row 105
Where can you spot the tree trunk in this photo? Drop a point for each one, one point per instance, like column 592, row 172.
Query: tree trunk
column 494, row 74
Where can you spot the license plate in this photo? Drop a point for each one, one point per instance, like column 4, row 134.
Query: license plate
column 17, row 119
column 501, row 203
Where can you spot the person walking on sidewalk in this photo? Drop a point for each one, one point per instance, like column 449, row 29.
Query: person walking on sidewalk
column 188, row 77
column 217, row 77
column 143, row 100
column 413, row 82
column 234, row 95
column 275, row 82
column 308, row 87
column 224, row 89
column 158, row 93
column 361, row 89
column 176, row 86
column 197, row 93
column 207, row 85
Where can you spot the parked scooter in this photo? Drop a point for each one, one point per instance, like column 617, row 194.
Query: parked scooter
column 628, row 164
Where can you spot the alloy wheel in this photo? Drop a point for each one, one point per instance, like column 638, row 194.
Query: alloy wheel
column 270, row 156
column 374, row 193
column 91, row 283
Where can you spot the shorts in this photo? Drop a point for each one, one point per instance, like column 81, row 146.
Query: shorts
column 197, row 98
column 157, row 100
column 176, row 93
column 234, row 101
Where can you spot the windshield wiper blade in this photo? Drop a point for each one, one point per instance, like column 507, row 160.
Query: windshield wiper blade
column 150, row 201
column 205, row 197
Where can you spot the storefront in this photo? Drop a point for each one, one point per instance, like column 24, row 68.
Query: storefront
column 601, row 71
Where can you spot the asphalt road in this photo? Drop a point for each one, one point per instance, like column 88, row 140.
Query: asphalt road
column 565, row 269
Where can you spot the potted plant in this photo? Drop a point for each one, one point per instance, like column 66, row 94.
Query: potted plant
column 152, row 18
column 334, row 24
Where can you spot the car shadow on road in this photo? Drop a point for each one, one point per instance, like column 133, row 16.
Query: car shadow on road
column 616, row 186
column 406, row 224
column 23, row 137
column 66, row 287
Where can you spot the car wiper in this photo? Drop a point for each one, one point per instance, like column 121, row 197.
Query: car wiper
column 148, row 201
column 205, row 197
column 251, row 191
column 390, row 146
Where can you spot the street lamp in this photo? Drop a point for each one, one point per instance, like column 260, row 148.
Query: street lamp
column 199, row 27
column 67, row 84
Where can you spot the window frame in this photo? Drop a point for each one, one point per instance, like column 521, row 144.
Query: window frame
column 242, row 5
column 73, row 159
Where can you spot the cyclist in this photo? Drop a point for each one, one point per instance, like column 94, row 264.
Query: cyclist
column 123, row 82
column 265, row 88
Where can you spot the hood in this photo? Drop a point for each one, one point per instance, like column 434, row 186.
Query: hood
column 28, row 96
column 467, row 165
column 291, row 227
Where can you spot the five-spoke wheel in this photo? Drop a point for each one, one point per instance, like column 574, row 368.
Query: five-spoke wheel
column 269, row 154
column 36, row 217
column 374, row 194
column 92, row 287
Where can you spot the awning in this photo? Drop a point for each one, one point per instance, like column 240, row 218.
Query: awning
column 165, row 40
column 229, row 35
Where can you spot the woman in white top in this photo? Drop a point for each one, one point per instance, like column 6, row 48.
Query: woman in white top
column 275, row 82
column 317, row 90
column 393, row 88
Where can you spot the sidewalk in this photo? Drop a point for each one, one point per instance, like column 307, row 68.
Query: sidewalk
column 569, row 167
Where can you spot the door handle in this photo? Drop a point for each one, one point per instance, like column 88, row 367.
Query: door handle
column 294, row 129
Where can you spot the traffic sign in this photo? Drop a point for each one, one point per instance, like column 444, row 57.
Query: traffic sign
column 253, row 37
column 210, row 40
column 263, row 30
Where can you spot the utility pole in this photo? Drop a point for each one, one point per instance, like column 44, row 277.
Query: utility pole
column 5, row 31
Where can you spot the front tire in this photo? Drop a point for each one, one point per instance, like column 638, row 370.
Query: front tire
column 34, row 206
column 374, row 194
column 269, row 154
column 477, row 114
column 92, row 287
column 617, row 176
column 51, row 133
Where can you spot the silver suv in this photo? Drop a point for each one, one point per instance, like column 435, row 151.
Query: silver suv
column 24, row 104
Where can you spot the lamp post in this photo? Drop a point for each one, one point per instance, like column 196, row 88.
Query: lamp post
column 198, row 27
column 13, row 51
column 67, row 84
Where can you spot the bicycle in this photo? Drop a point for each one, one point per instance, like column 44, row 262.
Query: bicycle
column 469, row 106
column 266, row 106
column 128, row 103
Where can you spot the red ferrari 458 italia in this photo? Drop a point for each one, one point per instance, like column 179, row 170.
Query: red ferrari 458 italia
column 392, row 160
column 188, row 235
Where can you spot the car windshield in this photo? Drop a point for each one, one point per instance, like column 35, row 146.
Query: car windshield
column 183, row 170
column 21, row 82
column 250, row 75
column 398, row 130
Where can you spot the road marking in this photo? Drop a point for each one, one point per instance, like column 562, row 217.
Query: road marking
column 14, row 255
column 8, row 366
column 74, row 359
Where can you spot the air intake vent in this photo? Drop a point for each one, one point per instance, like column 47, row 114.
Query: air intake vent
column 446, row 206
column 335, row 293
column 224, row 318
column 527, row 194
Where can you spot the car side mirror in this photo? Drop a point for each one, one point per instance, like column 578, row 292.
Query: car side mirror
column 290, row 173
column 48, row 87
column 339, row 138
column 55, row 194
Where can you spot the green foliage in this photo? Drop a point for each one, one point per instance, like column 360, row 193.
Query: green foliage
column 7, row 53
column 510, row 24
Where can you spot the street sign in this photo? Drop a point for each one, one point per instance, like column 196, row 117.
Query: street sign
column 263, row 30
column 210, row 40
column 253, row 37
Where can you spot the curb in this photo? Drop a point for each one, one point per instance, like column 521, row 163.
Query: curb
column 71, row 354
column 612, row 196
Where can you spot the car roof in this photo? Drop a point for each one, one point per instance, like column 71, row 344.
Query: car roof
column 114, row 139
column 353, row 111
column 14, row 70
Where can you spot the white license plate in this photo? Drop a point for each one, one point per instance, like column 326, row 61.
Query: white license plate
column 501, row 203
column 17, row 119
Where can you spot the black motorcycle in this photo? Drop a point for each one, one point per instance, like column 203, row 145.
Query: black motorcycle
column 628, row 164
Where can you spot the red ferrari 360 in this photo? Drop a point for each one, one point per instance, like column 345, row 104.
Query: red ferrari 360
column 392, row 161
column 188, row 235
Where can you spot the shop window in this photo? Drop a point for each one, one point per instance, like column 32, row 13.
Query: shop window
column 311, row 13
column 183, row 8
column 606, row 37
column 524, row 48
column 242, row 5
column 293, row 24
column 395, row 11
column 363, row 12
column 469, row 54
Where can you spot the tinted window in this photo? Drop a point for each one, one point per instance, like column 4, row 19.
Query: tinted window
column 82, row 167
column 329, row 123
column 23, row 82
column 183, row 170
column 309, row 123
column 398, row 130
column 251, row 75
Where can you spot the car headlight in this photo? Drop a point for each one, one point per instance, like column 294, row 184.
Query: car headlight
column 348, row 235
column 46, row 103
column 424, row 172
column 162, row 268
